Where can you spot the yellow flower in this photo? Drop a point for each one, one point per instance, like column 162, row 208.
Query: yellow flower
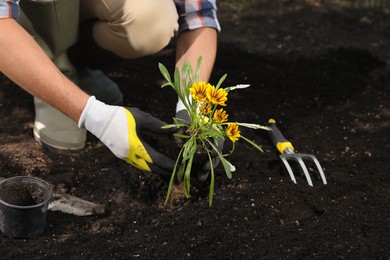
column 232, row 132
column 205, row 107
column 220, row 116
column 216, row 97
column 198, row 91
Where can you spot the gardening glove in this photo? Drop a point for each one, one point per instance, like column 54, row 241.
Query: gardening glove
column 120, row 129
column 201, row 174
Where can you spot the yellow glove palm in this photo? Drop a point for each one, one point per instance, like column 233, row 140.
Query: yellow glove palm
column 137, row 155
column 119, row 129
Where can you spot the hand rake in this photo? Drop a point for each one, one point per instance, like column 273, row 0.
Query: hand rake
column 286, row 149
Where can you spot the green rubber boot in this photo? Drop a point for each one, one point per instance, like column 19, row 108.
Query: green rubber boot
column 53, row 24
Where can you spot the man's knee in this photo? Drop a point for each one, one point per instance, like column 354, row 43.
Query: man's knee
column 141, row 28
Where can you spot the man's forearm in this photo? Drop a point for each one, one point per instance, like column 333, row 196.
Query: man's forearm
column 195, row 43
column 24, row 62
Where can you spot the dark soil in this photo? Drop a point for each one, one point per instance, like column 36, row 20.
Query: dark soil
column 322, row 73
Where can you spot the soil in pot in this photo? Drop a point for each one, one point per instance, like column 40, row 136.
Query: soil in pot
column 22, row 194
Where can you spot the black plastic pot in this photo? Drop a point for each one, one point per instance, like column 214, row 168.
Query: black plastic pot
column 23, row 206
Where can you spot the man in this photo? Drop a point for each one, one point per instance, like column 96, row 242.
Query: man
column 111, row 31
column 117, row 29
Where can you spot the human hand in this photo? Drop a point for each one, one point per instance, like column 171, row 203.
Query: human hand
column 202, row 172
column 120, row 129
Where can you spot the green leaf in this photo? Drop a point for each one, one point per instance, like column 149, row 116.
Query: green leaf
column 169, row 126
column 185, row 70
column 164, row 72
column 212, row 181
column 176, row 76
column 197, row 68
column 252, row 143
column 254, row 126
column 166, row 85
column 226, row 166
column 224, row 162
column 182, row 136
column 189, row 148
column 180, row 173
column 180, row 121
column 187, row 177
column 221, row 80
column 172, row 178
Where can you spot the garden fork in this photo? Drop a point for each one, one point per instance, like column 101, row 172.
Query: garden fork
column 287, row 153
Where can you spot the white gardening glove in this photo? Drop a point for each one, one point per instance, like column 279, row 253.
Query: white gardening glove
column 120, row 129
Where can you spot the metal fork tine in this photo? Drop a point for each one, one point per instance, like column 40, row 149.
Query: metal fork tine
column 305, row 171
column 319, row 169
column 287, row 151
column 288, row 167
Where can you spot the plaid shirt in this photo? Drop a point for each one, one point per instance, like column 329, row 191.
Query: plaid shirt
column 197, row 13
column 9, row 8
column 192, row 13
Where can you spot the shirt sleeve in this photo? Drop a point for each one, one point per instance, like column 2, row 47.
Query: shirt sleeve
column 196, row 14
column 9, row 9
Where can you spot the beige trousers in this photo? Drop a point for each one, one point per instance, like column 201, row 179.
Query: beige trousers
column 131, row 28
